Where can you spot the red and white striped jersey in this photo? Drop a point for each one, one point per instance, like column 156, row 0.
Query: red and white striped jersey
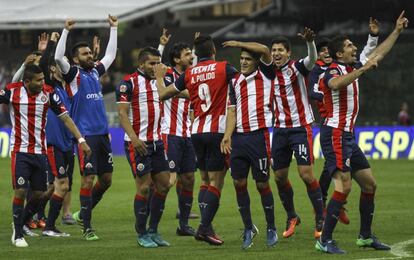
column 207, row 83
column 145, row 106
column 28, row 114
column 342, row 105
column 292, row 108
column 253, row 97
column 176, row 111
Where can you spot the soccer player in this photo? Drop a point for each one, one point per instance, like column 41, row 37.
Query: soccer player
column 207, row 83
column 139, row 109
column 250, row 115
column 316, row 93
column 29, row 102
column 344, row 157
column 293, row 132
column 88, row 113
column 176, row 123
column 59, row 141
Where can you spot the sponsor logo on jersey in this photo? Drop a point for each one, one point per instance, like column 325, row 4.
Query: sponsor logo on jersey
column 94, row 96
column 61, row 170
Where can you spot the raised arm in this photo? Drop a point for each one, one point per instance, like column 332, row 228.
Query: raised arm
column 372, row 40
column 309, row 36
column 382, row 50
column 18, row 76
column 110, row 52
column 44, row 60
column 263, row 50
column 340, row 81
column 164, row 39
column 61, row 47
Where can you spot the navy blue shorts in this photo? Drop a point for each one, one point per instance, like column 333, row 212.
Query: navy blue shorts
column 60, row 164
column 101, row 160
column 286, row 141
column 250, row 150
column 29, row 171
column 207, row 150
column 154, row 162
column 341, row 151
column 180, row 153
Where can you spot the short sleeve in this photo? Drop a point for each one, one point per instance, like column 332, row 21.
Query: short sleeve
column 123, row 92
column 56, row 104
column 232, row 94
column 300, row 66
column 268, row 70
column 179, row 84
column 5, row 96
column 331, row 73
column 230, row 72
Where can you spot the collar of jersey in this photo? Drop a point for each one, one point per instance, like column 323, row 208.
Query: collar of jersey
column 140, row 72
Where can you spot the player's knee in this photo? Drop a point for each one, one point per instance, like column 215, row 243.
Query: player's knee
column 240, row 183
column 20, row 193
column 261, row 186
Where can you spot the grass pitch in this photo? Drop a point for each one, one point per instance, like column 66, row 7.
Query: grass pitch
column 113, row 220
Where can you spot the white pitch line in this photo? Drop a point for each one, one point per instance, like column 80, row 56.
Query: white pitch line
column 397, row 250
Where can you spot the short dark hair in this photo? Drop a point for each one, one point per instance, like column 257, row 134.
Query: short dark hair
column 175, row 51
column 76, row 47
column 336, row 45
column 322, row 42
column 30, row 71
column 282, row 40
column 204, row 46
column 145, row 52
column 256, row 56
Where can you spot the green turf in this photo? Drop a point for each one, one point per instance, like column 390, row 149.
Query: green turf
column 114, row 221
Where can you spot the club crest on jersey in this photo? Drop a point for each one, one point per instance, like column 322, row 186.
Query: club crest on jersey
column 289, row 72
column 140, row 167
column 171, row 164
column 348, row 162
column 20, row 181
column 122, row 88
column 61, row 170
column 2, row 92
column 43, row 99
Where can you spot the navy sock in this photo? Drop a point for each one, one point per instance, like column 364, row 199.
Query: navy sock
column 32, row 206
column 157, row 208
column 185, row 202
column 150, row 193
column 286, row 197
column 315, row 196
column 201, row 194
column 97, row 193
column 243, row 201
column 324, row 182
column 211, row 200
column 140, row 210
column 332, row 214
column 41, row 208
column 268, row 204
column 17, row 208
column 85, row 197
column 55, row 206
column 366, row 211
